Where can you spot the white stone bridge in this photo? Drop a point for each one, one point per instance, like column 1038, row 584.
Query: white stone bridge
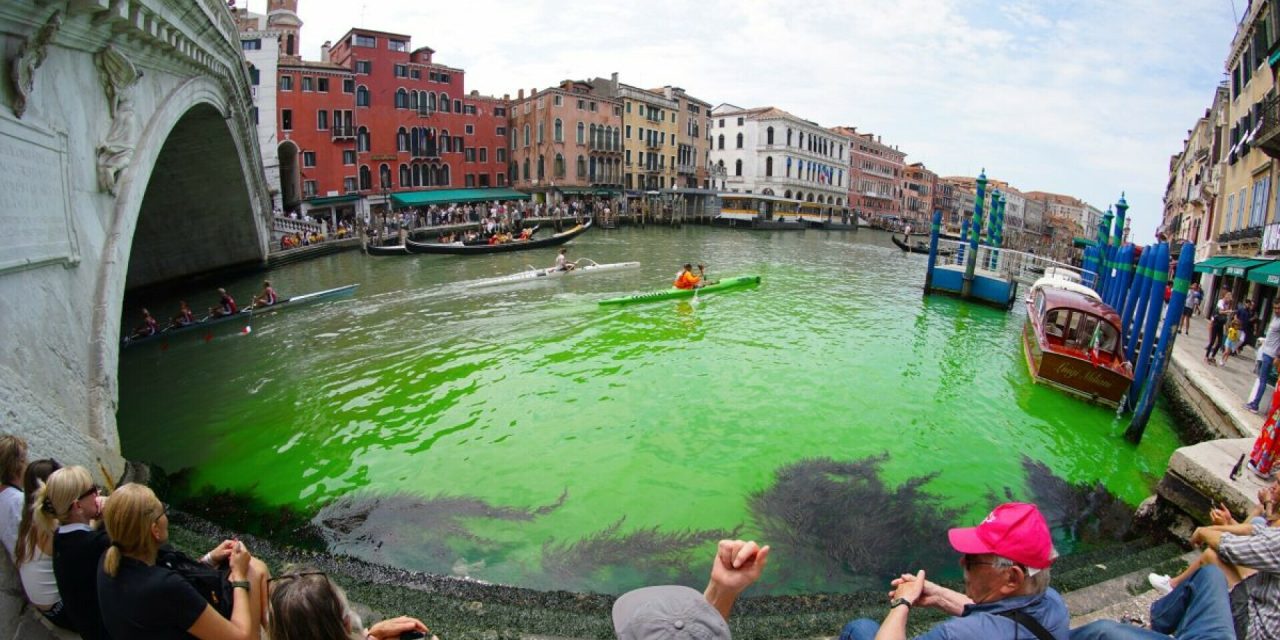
column 128, row 156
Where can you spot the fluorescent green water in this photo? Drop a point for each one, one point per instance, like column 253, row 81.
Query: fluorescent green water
column 665, row 415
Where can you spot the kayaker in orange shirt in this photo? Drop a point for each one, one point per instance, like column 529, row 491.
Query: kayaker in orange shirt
column 686, row 279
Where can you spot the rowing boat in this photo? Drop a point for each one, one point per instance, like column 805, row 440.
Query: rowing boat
column 245, row 314
column 668, row 294
column 552, row 272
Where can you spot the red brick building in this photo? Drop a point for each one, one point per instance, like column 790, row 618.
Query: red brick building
column 375, row 117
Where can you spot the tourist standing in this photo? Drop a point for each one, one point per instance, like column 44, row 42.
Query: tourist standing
column 1267, row 356
column 1194, row 297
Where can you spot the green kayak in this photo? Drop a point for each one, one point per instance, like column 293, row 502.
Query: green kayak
column 667, row 294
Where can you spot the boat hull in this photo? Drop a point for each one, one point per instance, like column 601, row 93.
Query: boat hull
column 673, row 293
column 1072, row 374
column 551, row 273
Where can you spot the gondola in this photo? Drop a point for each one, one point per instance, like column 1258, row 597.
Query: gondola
column 244, row 314
column 386, row 250
column 917, row 248
column 458, row 248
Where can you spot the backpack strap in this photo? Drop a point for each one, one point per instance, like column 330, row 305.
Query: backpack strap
column 1019, row 616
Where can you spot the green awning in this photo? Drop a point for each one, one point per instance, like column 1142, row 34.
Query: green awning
column 1271, row 60
column 1213, row 265
column 1240, row 266
column 443, row 196
column 1268, row 274
column 328, row 200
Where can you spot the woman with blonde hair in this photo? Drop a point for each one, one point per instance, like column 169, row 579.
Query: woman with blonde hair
column 307, row 605
column 34, row 553
column 66, row 507
column 141, row 599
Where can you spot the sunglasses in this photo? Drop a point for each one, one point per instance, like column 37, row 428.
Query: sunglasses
column 93, row 490
column 968, row 562
column 291, row 576
column 164, row 511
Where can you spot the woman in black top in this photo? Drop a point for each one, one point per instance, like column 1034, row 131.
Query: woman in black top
column 143, row 601
column 68, row 504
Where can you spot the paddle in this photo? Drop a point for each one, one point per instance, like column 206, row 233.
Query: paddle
column 703, row 273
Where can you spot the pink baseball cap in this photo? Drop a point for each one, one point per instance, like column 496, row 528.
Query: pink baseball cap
column 1014, row 530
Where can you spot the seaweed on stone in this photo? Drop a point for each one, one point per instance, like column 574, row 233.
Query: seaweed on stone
column 837, row 521
column 1081, row 512
column 372, row 527
column 245, row 513
column 645, row 556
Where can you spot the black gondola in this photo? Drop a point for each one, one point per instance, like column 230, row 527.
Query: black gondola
column 386, row 250
column 917, row 248
column 458, row 248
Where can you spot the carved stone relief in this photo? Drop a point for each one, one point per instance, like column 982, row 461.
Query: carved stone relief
column 119, row 75
column 22, row 70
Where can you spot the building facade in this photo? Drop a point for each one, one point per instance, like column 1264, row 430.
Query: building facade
column 565, row 141
column 918, row 187
column 373, row 117
column 650, row 143
column 693, row 139
column 261, row 44
column 768, row 151
column 875, row 175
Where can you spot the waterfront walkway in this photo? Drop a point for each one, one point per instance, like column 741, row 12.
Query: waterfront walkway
column 1226, row 388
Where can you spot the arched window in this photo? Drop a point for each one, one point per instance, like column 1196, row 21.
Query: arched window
column 443, row 176
column 366, row 178
column 402, row 140
column 513, row 171
column 384, row 176
column 739, row 140
column 542, row 132
column 526, row 169
column 362, row 139
column 582, row 135
column 444, row 102
column 787, row 194
column 402, row 99
column 608, row 138
column 413, row 99
column 559, row 168
column 840, row 201
column 809, row 197
column 417, row 175
column 446, row 142
column 768, row 163
column 720, row 142
column 431, row 101
column 592, row 175
column 526, row 137
column 617, row 140
column 582, row 167
column 737, row 168
column 362, row 96
column 405, row 180
column 788, row 136
column 542, row 167
column 559, row 131
column 768, row 135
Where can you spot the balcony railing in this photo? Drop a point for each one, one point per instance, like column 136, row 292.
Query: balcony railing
column 652, row 144
column 1250, row 233
column 686, row 168
column 1268, row 136
column 339, row 132
column 426, row 111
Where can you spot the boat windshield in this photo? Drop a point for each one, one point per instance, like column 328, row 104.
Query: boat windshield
column 1081, row 330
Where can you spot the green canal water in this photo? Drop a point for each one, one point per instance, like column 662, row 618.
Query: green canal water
column 523, row 435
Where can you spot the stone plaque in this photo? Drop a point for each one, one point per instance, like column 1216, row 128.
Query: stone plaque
column 35, row 198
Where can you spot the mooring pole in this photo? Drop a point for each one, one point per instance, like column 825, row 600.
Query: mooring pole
column 966, row 286
column 933, row 250
column 1177, row 301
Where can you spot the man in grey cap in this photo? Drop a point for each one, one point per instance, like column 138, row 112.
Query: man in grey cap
column 675, row 612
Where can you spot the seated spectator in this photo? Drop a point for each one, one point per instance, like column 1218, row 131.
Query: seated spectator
column 13, row 463
column 1200, row 605
column 34, row 556
column 305, row 604
column 1006, row 580
column 67, row 506
column 141, row 599
column 673, row 611
column 1265, row 515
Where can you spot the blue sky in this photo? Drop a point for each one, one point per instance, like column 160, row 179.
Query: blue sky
column 1084, row 97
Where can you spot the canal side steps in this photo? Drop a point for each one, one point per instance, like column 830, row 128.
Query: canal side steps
column 463, row 608
column 290, row 256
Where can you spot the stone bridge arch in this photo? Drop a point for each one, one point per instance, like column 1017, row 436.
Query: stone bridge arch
column 130, row 157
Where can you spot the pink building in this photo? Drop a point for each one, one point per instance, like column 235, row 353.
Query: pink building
column 876, row 175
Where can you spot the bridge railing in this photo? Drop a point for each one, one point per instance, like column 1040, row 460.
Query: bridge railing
column 282, row 224
column 1020, row 266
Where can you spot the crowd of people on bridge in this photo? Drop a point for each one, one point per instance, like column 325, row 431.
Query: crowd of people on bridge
column 101, row 565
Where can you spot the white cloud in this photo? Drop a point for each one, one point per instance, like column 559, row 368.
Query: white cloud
column 1086, row 97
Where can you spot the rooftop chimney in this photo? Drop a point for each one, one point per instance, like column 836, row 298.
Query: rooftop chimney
column 520, row 94
column 613, row 80
column 324, row 51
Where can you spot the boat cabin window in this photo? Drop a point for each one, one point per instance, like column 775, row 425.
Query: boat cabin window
column 1081, row 330
column 1039, row 303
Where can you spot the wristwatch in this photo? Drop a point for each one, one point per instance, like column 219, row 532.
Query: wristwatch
column 899, row 601
column 244, row 584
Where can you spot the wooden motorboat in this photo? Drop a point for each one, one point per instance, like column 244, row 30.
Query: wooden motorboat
column 1072, row 341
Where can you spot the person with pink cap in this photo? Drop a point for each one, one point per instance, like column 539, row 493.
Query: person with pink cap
column 1006, row 562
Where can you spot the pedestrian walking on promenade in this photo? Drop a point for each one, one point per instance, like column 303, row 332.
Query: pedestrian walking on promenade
column 1270, row 346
